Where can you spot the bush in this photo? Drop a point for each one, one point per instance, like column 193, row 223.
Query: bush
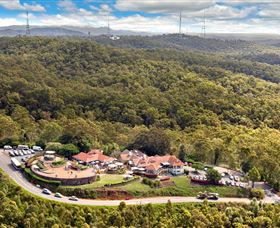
column 186, row 172
column 257, row 193
column 151, row 183
column 53, row 146
column 59, row 163
column 198, row 166
column 68, row 150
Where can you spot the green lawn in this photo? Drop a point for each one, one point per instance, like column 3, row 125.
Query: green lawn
column 183, row 187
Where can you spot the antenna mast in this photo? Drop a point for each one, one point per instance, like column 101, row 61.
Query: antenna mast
column 108, row 25
column 180, row 22
column 203, row 29
column 27, row 31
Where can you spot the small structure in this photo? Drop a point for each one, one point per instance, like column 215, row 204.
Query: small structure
column 49, row 155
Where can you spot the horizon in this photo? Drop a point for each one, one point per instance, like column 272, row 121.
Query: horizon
column 150, row 16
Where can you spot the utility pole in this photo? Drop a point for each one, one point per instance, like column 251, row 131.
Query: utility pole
column 180, row 22
column 203, row 29
column 108, row 31
column 27, row 31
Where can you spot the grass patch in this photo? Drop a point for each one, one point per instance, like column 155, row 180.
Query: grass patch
column 183, row 187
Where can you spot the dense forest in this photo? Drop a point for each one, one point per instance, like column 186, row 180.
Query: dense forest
column 224, row 108
column 21, row 209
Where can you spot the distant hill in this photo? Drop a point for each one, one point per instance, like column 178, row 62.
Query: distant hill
column 63, row 31
column 182, row 42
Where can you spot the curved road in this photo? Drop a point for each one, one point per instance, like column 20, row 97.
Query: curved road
column 17, row 176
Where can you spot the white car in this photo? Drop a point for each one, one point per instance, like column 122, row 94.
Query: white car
column 57, row 195
column 73, row 198
column 8, row 147
column 11, row 153
column 20, row 153
column 231, row 177
column 46, row 191
column 37, row 148
column 16, row 153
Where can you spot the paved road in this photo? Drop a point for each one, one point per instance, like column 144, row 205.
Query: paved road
column 18, row 177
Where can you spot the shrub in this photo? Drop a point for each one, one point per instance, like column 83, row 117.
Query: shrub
column 186, row 172
column 198, row 166
column 68, row 150
column 58, row 163
column 257, row 193
column 151, row 183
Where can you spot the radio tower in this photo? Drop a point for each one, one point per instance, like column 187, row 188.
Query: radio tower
column 108, row 29
column 203, row 29
column 180, row 23
column 27, row 31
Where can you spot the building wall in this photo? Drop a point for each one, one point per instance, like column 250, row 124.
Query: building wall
column 69, row 181
column 176, row 170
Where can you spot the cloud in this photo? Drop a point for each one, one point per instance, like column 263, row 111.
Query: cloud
column 270, row 11
column 16, row 5
column 222, row 12
column 9, row 21
column 163, row 6
column 67, row 5
column 30, row 16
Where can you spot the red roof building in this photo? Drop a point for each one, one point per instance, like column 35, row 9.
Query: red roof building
column 93, row 156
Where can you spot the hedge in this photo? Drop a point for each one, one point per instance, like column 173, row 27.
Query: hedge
column 33, row 178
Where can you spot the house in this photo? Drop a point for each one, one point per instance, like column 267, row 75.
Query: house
column 131, row 157
column 154, row 165
column 93, row 156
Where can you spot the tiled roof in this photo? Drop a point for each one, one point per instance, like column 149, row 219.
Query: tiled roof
column 93, row 155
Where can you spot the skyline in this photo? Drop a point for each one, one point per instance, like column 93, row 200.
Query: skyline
column 222, row 16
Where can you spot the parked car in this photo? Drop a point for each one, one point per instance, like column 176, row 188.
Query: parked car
column 202, row 195
column 231, row 177
column 16, row 153
column 58, row 195
column 236, row 178
column 20, row 153
column 24, row 152
column 213, row 196
column 11, row 153
column 37, row 148
column 46, row 191
column 32, row 151
column 8, row 147
column 73, row 198
column 22, row 147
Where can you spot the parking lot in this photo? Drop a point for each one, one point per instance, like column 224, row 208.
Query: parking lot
column 22, row 152
column 229, row 177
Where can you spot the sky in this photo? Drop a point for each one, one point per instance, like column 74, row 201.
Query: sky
column 156, row 16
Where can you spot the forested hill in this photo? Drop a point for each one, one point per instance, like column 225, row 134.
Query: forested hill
column 183, row 42
column 77, row 91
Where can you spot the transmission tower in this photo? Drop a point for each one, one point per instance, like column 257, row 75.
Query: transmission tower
column 27, row 31
column 203, row 29
column 108, row 29
column 180, row 23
